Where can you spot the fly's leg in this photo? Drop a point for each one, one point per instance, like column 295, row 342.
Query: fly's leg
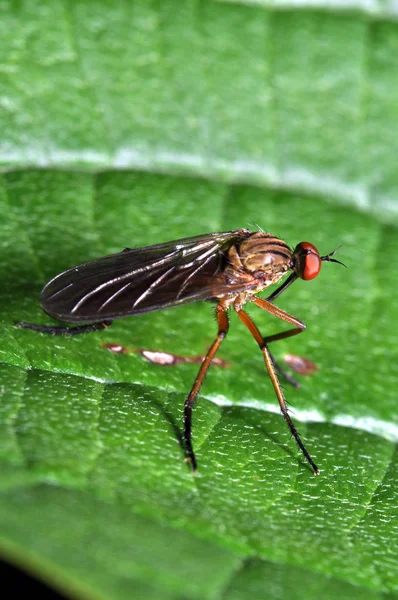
column 49, row 329
column 281, row 371
column 299, row 327
column 284, row 373
column 223, row 325
column 269, row 363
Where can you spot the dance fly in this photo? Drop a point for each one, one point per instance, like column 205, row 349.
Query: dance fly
column 228, row 268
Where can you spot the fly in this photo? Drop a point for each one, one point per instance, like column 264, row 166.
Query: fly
column 229, row 268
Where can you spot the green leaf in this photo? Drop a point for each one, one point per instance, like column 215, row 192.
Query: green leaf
column 291, row 119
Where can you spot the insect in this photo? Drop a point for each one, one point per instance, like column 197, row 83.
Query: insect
column 229, row 268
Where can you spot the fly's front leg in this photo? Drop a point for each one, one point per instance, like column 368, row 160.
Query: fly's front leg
column 269, row 363
column 49, row 329
column 223, row 325
column 299, row 327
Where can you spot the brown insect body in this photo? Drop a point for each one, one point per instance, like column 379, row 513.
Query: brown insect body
column 230, row 267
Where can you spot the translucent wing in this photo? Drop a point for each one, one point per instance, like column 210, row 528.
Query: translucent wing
column 144, row 279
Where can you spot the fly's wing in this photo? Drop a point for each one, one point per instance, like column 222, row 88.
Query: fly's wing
column 145, row 279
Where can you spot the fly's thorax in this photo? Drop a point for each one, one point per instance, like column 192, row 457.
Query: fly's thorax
column 265, row 256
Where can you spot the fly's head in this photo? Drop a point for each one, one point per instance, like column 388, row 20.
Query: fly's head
column 306, row 261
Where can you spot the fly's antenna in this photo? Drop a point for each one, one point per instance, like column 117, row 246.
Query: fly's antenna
column 328, row 258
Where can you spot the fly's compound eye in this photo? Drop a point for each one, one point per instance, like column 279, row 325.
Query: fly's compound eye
column 306, row 261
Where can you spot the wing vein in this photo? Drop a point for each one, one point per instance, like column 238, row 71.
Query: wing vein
column 186, row 282
column 113, row 296
column 128, row 275
column 153, row 285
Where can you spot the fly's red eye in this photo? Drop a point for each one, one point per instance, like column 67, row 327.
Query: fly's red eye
column 311, row 261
